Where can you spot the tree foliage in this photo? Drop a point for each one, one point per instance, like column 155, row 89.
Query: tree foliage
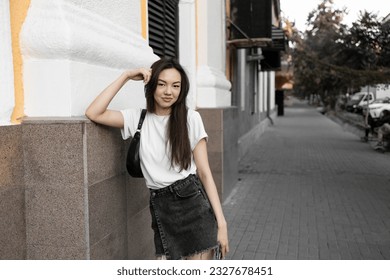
column 330, row 58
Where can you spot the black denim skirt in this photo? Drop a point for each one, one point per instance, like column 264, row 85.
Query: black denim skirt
column 183, row 220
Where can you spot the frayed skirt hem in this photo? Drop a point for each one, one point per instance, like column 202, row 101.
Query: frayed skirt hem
column 216, row 254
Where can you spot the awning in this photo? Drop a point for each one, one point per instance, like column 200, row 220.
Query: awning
column 284, row 80
column 250, row 42
column 277, row 42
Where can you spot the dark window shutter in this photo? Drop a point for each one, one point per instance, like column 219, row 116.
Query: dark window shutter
column 253, row 17
column 163, row 27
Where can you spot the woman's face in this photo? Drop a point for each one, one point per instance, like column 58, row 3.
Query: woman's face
column 167, row 91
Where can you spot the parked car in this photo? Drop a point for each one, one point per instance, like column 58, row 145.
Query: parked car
column 357, row 101
column 376, row 104
column 376, row 108
column 360, row 100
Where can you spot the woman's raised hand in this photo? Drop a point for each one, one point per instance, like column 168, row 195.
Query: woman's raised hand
column 139, row 74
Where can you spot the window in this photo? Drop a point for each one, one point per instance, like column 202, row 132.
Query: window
column 163, row 27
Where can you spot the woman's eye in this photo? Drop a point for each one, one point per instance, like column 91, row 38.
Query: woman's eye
column 161, row 85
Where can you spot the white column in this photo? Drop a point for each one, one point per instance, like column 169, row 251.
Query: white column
column 7, row 91
column 73, row 49
column 266, row 90
column 187, row 45
column 213, row 87
column 272, row 89
column 261, row 91
column 241, row 70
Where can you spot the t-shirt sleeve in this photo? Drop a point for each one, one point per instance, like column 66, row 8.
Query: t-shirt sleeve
column 196, row 129
column 130, row 122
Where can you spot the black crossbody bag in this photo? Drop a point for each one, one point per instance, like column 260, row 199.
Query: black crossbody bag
column 133, row 162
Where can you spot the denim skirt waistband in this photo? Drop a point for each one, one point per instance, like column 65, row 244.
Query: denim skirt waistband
column 176, row 185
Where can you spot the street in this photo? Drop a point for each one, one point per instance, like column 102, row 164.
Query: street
column 310, row 190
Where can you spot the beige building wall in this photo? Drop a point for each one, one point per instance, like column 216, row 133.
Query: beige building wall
column 12, row 203
column 80, row 202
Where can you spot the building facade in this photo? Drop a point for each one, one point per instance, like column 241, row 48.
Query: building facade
column 64, row 192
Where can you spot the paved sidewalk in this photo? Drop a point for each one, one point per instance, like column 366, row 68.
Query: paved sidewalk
column 309, row 190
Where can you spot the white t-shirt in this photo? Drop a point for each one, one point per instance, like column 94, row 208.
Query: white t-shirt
column 154, row 152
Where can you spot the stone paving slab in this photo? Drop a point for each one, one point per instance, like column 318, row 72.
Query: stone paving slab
column 310, row 190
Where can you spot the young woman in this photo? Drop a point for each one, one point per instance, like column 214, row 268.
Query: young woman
column 187, row 216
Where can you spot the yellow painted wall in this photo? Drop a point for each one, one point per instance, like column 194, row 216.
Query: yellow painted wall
column 196, row 32
column 144, row 18
column 18, row 12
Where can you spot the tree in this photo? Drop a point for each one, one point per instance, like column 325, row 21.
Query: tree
column 384, row 39
column 316, row 51
column 329, row 59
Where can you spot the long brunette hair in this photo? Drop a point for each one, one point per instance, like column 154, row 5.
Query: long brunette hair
column 177, row 129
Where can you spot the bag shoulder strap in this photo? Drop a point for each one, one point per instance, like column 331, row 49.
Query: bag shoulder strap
column 141, row 119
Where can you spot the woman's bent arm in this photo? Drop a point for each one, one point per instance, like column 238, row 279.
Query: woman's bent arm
column 97, row 110
column 205, row 176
